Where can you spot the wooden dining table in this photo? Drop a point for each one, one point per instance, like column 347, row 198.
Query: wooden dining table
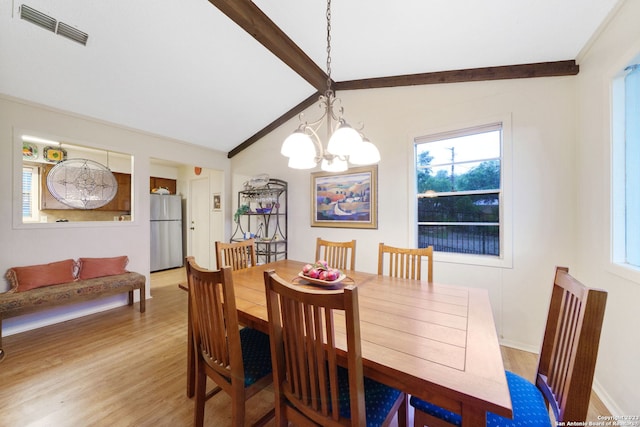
column 437, row 342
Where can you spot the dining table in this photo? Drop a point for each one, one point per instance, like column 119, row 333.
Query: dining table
column 434, row 341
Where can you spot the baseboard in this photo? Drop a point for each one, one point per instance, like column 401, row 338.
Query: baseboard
column 606, row 399
column 520, row 346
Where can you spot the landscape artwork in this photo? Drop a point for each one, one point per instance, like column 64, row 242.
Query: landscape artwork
column 345, row 199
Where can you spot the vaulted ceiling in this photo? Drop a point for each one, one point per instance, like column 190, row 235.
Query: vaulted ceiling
column 220, row 73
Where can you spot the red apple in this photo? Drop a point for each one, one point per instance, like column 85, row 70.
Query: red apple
column 324, row 275
column 313, row 273
column 306, row 268
column 322, row 264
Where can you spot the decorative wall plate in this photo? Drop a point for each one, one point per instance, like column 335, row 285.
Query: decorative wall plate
column 29, row 151
column 54, row 154
column 82, row 183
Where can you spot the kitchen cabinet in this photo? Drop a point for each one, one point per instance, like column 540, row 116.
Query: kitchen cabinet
column 169, row 184
column 262, row 214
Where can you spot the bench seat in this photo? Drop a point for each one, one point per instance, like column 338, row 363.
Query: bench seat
column 18, row 303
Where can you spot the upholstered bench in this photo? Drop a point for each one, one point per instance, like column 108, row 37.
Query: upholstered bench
column 114, row 281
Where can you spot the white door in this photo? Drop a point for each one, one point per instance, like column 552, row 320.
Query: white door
column 199, row 227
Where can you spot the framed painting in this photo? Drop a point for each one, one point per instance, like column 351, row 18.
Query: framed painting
column 217, row 202
column 345, row 199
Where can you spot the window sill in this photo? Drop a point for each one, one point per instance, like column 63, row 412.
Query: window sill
column 625, row 271
column 480, row 260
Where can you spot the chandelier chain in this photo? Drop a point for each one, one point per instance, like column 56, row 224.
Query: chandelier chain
column 328, row 45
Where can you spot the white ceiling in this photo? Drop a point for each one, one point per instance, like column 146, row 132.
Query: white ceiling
column 183, row 70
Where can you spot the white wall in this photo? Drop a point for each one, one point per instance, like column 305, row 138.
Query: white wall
column 42, row 243
column 542, row 116
column 618, row 370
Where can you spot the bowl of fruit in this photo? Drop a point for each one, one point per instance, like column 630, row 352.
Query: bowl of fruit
column 320, row 273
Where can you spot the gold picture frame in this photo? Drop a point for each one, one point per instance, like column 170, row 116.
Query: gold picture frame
column 345, row 199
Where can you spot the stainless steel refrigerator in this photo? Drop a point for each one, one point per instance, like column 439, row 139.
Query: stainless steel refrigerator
column 166, row 232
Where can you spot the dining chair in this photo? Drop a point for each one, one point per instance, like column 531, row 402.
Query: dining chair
column 565, row 366
column 237, row 360
column 237, row 255
column 315, row 382
column 405, row 262
column 340, row 255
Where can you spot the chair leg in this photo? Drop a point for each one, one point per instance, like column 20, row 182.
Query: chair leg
column 237, row 409
column 403, row 412
column 200, row 397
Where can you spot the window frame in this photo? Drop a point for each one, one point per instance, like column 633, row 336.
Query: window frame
column 34, row 193
column 505, row 259
column 617, row 233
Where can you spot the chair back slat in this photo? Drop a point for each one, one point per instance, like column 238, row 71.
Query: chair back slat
column 302, row 325
column 340, row 255
column 405, row 262
column 237, row 255
column 570, row 346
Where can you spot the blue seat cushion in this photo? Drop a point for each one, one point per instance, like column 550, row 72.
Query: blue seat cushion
column 378, row 398
column 256, row 355
column 528, row 406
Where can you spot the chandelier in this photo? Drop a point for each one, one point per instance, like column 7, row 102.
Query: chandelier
column 346, row 145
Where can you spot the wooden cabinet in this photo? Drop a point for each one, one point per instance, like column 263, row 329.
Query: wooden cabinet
column 121, row 202
column 169, row 184
column 47, row 199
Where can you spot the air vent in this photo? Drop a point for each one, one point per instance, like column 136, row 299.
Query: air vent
column 40, row 19
column 72, row 33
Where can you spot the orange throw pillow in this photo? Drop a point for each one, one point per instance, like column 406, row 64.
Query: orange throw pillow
column 35, row 276
column 100, row 267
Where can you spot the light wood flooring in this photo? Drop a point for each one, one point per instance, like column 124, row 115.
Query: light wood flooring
column 123, row 368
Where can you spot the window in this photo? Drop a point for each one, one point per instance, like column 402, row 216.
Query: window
column 626, row 168
column 459, row 201
column 29, row 193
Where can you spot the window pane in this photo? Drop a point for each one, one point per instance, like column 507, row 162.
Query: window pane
column 459, row 183
column 27, row 208
column 465, row 239
column 467, row 208
column 460, row 177
column 632, row 166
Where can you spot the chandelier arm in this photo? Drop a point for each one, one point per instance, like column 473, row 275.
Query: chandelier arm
column 320, row 152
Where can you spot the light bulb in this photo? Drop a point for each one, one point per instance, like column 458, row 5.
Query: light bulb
column 335, row 165
column 296, row 142
column 344, row 140
column 365, row 154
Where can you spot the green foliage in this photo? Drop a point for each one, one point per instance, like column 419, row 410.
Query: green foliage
column 485, row 176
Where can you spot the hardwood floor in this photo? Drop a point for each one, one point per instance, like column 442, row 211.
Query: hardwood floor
column 124, row 368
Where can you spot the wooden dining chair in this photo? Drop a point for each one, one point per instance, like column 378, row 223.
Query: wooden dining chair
column 405, row 262
column 565, row 366
column 340, row 255
column 237, row 255
column 238, row 361
column 311, row 385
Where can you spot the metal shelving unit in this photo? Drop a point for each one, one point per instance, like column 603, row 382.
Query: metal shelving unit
column 262, row 214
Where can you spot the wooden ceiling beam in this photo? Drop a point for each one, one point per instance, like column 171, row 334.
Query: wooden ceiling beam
column 251, row 19
column 521, row 71
column 276, row 123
